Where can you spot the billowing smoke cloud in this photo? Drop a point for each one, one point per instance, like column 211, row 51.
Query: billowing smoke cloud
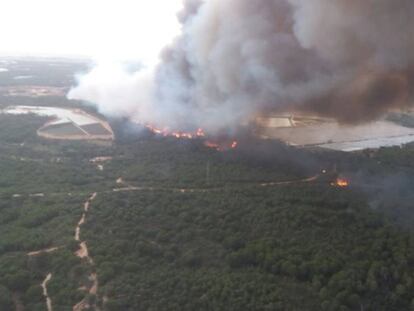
column 348, row 59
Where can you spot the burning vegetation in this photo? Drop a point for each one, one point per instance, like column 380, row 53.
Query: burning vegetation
column 340, row 183
column 177, row 134
column 214, row 143
column 237, row 59
column 221, row 145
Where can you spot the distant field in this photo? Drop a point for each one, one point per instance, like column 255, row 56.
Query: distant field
column 66, row 123
column 67, row 129
column 96, row 129
column 41, row 72
column 39, row 81
column 334, row 136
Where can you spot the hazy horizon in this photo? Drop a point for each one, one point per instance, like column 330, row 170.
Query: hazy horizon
column 108, row 30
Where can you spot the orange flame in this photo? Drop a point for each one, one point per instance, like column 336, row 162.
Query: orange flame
column 341, row 183
column 212, row 145
column 220, row 146
column 166, row 132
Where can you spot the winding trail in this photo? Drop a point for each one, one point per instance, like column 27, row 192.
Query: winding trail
column 291, row 182
column 43, row 251
column 130, row 188
column 83, row 253
column 45, row 293
column 124, row 187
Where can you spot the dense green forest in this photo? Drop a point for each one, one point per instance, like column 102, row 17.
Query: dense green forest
column 290, row 248
column 185, row 240
column 31, row 224
column 179, row 226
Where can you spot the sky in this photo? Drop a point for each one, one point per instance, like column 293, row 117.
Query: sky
column 101, row 29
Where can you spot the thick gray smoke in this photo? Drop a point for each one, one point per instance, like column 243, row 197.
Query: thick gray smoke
column 348, row 59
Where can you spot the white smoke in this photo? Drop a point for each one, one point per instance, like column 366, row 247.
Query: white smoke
column 350, row 59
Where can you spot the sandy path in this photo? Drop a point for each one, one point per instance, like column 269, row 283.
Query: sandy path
column 45, row 294
column 130, row 188
column 83, row 218
column 94, row 289
column 83, row 253
column 43, row 251
column 78, row 228
column 281, row 183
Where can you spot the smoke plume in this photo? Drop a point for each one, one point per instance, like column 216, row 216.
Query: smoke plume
column 352, row 60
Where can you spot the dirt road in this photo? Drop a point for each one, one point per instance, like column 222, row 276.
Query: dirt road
column 123, row 187
column 43, row 251
column 45, row 293
column 83, row 253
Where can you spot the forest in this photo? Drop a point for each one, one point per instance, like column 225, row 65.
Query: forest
column 201, row 232
column 176, row 225
column 291, row 248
